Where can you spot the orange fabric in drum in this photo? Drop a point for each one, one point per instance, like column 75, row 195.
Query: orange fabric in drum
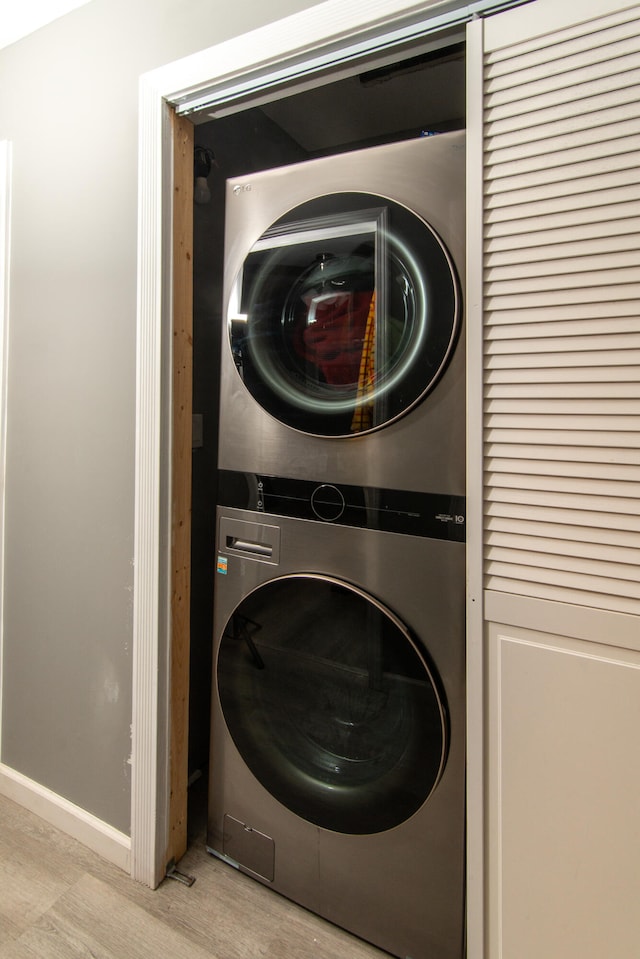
column 363, row 415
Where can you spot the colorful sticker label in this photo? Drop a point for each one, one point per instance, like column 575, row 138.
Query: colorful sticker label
column 221, row 566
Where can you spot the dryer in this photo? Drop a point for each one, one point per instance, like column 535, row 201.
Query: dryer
column 338, row 758
column 342, row 355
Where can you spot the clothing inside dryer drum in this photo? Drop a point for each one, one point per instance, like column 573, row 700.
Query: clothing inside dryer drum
column 335, row 297
column 346, row 318
column 330, row 704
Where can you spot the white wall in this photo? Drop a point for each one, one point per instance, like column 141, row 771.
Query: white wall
column 68, row 104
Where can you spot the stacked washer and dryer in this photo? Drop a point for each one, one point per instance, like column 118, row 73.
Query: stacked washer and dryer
column 337, row 771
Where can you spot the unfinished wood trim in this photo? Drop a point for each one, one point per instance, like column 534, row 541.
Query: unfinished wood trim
column 182, row 380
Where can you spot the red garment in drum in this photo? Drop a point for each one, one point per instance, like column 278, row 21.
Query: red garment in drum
column 331, row 334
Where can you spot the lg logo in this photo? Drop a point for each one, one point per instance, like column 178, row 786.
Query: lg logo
column 241, row 188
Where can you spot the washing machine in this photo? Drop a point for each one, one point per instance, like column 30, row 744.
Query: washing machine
column 342, row 354
column 338, row 758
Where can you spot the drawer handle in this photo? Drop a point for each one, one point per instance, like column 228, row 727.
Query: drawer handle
column 257, row 549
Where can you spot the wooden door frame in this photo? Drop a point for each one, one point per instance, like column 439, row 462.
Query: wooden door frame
column 182, row 389
column 161, row 629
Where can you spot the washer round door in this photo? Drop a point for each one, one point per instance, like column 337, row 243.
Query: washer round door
column 344, row 314
column 331, row 704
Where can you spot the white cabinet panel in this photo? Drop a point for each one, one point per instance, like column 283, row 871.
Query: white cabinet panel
column 564, row 782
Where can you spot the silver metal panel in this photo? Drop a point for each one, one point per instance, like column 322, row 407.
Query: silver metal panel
column 424, row 449
column 402, row 889
column 241, row 843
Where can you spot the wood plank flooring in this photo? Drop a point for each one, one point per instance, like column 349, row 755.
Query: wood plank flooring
column 58, row 900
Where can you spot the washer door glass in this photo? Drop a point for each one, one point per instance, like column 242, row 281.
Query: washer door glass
column 331, row 705
column 344, row 314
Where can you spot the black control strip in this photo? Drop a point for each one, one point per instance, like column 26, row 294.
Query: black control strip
column 434, row 515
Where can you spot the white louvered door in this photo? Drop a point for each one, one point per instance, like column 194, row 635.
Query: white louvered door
column 562, row 311
column 561, row 488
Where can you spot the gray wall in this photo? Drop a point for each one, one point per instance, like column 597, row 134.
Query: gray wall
column 68, row 102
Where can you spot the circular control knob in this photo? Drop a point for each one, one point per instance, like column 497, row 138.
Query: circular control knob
column 327, row 502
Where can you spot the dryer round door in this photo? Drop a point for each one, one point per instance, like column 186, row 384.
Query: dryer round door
column 344, row 314
column 331, row 704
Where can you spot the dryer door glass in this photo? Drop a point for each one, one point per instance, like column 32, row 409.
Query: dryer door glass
column 344, row 314
column 331, row 704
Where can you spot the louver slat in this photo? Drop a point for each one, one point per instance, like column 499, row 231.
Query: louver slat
column 582, row 80
column 533, row 467
column 513, row 330
column 591, row 537
column 562, row 316
column 581, row 359
column 602, row 128
column 576, row 221
column 561, row 116
column 605, row 439
column 618, row 182
column 572, row 516
column 617, row 41
column 582, row 549
column 528, row 486
column 621, row 579
column 587, row 242
column 524, row 140
column 580, row 455
column 596, row 597
column 562, row 346
column 600, row 584
column 562, row 43
column 562, row 312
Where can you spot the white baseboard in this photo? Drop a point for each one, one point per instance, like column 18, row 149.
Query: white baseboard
column 108, row 842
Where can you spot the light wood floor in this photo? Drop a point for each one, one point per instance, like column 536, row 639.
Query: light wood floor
column 58, row 900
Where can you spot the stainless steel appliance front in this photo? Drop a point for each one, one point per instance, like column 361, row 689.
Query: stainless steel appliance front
column 337, row 773
column 343, row 356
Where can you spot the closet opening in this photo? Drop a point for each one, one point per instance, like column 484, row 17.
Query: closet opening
column 421, row 94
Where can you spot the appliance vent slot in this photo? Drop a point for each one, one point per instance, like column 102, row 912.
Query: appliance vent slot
column 562, row 302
